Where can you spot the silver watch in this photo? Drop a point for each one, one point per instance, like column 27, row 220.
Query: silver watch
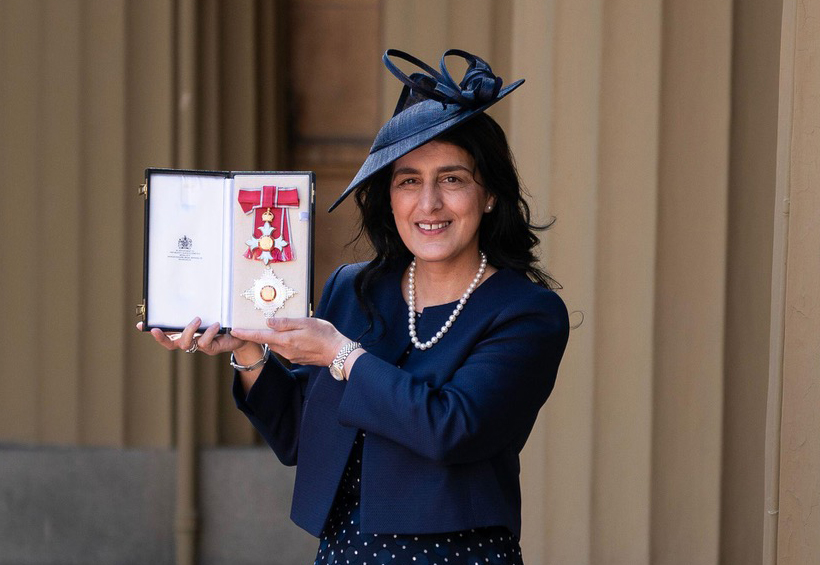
column 337, row 368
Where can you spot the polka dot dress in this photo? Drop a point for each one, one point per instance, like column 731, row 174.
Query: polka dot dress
column 342, row 543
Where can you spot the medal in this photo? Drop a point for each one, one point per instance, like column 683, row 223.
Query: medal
column 268, row 293
column 270, row 239
column 264, row 243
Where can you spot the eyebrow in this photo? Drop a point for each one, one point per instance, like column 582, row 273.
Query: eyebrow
column 445, row 169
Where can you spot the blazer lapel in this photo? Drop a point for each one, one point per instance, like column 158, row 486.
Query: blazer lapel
column 389, row 338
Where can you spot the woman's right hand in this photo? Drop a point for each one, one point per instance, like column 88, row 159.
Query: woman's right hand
column 209, row 341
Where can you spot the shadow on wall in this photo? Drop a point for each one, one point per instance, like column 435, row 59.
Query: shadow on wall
column 70, row 505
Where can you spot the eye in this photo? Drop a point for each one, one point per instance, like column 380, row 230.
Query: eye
column 406, row 182
column 452, row 180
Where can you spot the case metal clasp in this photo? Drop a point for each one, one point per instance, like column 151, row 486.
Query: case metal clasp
column 141, row 310
column 143, row 191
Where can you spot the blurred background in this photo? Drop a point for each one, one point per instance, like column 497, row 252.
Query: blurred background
column 685, row 240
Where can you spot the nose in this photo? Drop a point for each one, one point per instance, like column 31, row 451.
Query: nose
column 430, row 196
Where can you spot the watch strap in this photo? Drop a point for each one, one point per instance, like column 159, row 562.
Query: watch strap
column 343, row 354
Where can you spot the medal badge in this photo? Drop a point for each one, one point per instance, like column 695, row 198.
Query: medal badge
column 269, row 243
column 268, row 293
column 270, row 239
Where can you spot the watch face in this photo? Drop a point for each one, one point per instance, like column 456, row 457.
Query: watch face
column 337, row 372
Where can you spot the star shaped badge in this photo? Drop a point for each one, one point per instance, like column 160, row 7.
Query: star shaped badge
column 268, row 293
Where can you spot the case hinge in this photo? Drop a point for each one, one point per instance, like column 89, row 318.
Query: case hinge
column 141, row 310
column 143, row 191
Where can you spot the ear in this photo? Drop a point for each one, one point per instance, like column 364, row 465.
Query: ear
column 488, row 207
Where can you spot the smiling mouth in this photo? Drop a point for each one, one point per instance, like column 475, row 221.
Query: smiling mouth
column 431, row 227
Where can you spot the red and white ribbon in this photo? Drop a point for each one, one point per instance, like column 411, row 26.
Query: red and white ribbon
column 278, row 200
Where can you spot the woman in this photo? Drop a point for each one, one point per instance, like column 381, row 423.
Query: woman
column 417, row 383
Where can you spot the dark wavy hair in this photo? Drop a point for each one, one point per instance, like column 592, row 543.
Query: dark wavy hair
column 506, row 234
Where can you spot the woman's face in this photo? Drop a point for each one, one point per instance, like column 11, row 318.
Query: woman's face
column 438, row 203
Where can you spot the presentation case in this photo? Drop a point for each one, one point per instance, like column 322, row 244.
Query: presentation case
column 234, row 247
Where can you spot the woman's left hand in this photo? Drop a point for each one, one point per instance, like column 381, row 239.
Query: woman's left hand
column 208, row 341
column 307, row 341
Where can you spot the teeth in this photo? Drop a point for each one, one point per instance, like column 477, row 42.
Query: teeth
column 434, row 226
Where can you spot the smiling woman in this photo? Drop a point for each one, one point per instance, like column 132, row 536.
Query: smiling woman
column 407, row 437
column 437, row 205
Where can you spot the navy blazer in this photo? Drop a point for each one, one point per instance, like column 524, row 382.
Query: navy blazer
column 443, row 431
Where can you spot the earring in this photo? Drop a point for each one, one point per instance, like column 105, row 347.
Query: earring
column 490, row 208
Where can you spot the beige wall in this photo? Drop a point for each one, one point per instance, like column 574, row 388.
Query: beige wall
column 793, row 426
column 93, row 92
column 646, row 128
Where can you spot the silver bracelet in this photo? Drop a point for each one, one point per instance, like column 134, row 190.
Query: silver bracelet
column 253, row 366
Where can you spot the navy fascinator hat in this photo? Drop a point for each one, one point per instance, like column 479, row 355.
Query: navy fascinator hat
column 429, row 105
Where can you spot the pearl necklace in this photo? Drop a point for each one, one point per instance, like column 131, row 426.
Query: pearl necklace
column 411, row 305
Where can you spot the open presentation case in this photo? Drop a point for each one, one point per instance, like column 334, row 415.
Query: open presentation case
column 230, row 247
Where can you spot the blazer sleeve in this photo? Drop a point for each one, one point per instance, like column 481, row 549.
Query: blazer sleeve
column 274, row 403
column 490, row 403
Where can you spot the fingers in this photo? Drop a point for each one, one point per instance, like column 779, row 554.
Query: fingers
column 207, row 337
column 257, row 336
column 270, row 336
column 163, row 339
column 285, row 324
column 186, row 339
column 171, row 341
